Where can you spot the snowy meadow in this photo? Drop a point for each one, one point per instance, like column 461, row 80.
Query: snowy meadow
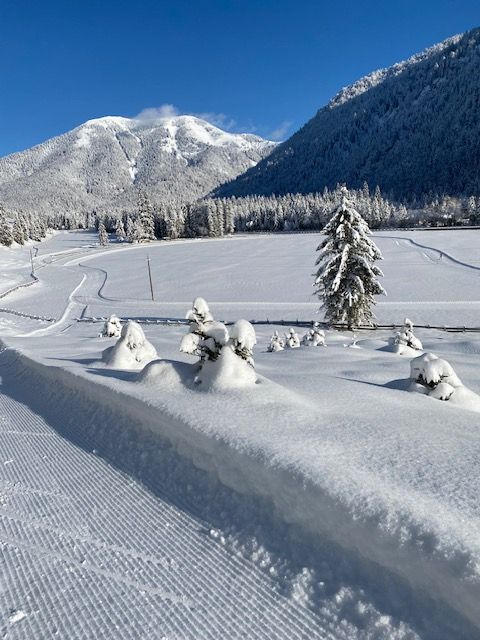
column 345, row 505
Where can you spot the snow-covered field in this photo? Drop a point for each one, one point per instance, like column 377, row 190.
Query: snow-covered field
column 324, row 501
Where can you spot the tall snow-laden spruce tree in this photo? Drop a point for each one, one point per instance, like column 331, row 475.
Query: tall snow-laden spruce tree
column 6, row 238
column 102, row 235
column 346, row 279
column 120, row 230
column 146, row 217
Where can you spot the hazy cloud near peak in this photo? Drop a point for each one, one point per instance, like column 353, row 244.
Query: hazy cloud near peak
column 221, row 120
column 280, row 132
column 157, row 113
column 151, row 114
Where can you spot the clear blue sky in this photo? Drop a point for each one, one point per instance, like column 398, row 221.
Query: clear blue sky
column 266, row 65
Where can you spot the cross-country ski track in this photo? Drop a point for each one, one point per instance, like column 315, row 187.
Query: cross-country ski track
column 88, row 530
column 104, row 538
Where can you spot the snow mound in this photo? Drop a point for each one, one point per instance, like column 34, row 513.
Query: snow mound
column 112, row 327
column 292, row 341
column 200, row 312
column 226, row 358
column 243, row 340
column 404, row 342
column 430, row 370
column 277, row 343
column 315, row 337
column 131, row 351
column 436, row 378
column 169, row 374
column 228, row 371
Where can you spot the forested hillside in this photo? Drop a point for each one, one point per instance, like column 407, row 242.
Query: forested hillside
column 412, row 129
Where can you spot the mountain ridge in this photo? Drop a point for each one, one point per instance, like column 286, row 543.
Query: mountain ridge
column 407, row 128
column 104, row 163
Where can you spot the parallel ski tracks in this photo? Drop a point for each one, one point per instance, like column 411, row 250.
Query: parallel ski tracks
column 90, row 553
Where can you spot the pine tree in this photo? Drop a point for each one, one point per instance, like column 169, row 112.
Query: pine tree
column 120, row 230
column 346, row 279
column 102, row 235
column 146, row 217
column 17, row 231
column 5, row 231
column 136, row 231
column 130, row 230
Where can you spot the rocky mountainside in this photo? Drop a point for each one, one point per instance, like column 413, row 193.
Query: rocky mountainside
column 412, row 129
column 104, row 163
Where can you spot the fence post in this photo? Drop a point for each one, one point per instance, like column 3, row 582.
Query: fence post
column 150, row 278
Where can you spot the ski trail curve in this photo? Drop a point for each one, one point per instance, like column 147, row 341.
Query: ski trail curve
column 441, row 253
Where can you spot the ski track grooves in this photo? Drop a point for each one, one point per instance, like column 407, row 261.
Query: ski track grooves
column 440, row 252
column 89, row 553
column 105, row 528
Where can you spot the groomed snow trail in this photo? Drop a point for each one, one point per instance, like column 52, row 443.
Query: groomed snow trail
column 88, row 552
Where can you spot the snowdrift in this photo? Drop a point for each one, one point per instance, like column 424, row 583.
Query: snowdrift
column 131, row 351
column 428, row 544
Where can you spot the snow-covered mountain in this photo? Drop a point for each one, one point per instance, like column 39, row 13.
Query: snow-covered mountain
column 103, row 164
column 412, row 129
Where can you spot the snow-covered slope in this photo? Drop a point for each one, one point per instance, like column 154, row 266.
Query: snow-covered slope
column 103, row 163
column 326, row 501
column 412, row 129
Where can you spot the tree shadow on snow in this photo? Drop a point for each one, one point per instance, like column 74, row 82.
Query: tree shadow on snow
column 120, row 374
column 85, row 361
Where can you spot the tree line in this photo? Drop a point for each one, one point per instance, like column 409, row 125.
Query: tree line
column 216, row 217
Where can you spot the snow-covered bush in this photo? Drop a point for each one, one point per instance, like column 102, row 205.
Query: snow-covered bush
column 131, row 351
column 404, row 341
column 203, row 326
column 243, row 339
column 112, row 327
column 226, row 359
column 433, row 376
column 277, row 343
column 292, row 341
column 315, row 337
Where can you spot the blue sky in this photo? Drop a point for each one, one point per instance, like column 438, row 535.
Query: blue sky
column 252, row 65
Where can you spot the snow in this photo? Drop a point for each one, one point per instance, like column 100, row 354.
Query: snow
column 292, row 341
column 83, row 138
column 436, row 378
column 351, row 501
column 112, row 327
column 243, row 334
column 131, row 351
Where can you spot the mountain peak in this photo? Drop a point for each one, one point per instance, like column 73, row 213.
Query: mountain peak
column 105, row 162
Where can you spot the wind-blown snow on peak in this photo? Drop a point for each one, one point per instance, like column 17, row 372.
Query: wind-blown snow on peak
column 103, row 164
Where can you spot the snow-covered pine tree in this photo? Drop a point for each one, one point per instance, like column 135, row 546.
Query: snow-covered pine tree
column 346, row 279
column 130, row 229
column 17, row 231
column 35, row 230
column 102, row 235
column 146, row 217
column 277, row 343
column 5, row 231
column 292, row 341
column 120, row 230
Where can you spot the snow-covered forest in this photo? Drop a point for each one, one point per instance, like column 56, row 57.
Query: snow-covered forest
column 216, row 217
column 412, row 129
